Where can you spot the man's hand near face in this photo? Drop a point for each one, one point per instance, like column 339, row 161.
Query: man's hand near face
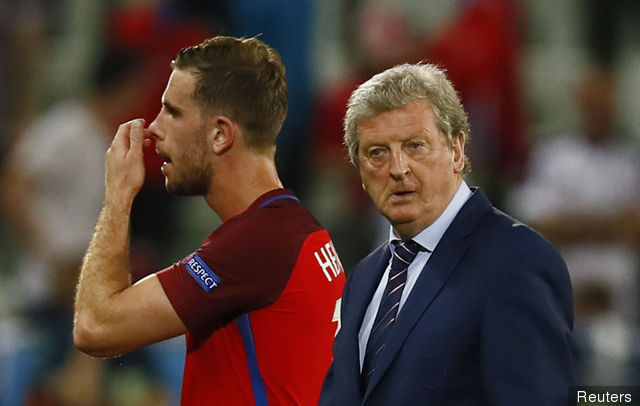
column 111, row 315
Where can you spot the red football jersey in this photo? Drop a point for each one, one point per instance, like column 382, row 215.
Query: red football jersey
column 261, row 300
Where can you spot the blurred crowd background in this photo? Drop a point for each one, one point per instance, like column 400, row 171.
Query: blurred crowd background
column 551, row 87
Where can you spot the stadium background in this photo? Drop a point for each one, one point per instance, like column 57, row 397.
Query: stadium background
column 517, row 64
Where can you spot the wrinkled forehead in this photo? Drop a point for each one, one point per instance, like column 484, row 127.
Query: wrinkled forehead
column 417, row 112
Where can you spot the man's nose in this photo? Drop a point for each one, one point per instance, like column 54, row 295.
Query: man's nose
column 153, row 128
column 398, row 167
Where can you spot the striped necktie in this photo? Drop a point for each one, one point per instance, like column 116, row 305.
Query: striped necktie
column 403, row 254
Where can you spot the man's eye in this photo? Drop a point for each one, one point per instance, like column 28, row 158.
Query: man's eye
column 375, row 152
column 171, row 111
column 377, row 156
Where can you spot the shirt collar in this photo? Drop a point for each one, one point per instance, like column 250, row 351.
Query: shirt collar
column 264, row 198
column 430, row 236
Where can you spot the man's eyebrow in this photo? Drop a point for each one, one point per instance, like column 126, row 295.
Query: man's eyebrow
column 420, row 133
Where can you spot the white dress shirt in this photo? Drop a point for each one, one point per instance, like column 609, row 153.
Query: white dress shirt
column 428, row 238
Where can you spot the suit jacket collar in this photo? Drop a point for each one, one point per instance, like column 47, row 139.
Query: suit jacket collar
column 434, row 276
column 364, row 279
column 373, row 266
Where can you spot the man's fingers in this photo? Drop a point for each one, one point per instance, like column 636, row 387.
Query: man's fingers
column 136, row 134
column 124, row 159
column 121, row 139
column 130, row 135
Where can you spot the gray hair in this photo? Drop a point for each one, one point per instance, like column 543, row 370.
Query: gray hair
column 397, row 86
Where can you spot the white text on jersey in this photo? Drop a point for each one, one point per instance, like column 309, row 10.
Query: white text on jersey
column 329, row 261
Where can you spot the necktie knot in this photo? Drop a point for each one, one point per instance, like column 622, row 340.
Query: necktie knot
column 404, row 253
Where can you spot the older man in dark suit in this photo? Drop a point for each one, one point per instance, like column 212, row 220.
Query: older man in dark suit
column 463, row 305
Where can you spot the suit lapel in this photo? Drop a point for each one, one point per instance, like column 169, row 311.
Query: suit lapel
column 362, row 284
column 367, row 278
column 432, row 279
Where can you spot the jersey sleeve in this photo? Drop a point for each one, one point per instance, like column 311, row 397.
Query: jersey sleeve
column 243, row 266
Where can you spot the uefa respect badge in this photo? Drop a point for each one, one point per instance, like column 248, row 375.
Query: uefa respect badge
column 200, row 271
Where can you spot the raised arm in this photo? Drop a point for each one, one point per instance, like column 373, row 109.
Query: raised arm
column 112, row 316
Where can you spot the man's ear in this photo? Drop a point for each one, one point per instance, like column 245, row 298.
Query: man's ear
column 459, row 158
column 222, row 134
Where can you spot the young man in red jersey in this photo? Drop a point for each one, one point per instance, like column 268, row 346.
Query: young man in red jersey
column 259, row 300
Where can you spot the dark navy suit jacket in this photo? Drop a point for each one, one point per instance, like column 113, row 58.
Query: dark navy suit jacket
column 488, row 322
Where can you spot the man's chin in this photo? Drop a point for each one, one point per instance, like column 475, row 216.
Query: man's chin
column 400, row 215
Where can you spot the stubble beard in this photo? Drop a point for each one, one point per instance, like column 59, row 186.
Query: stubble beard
column 194, row 177
column 195, row 182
